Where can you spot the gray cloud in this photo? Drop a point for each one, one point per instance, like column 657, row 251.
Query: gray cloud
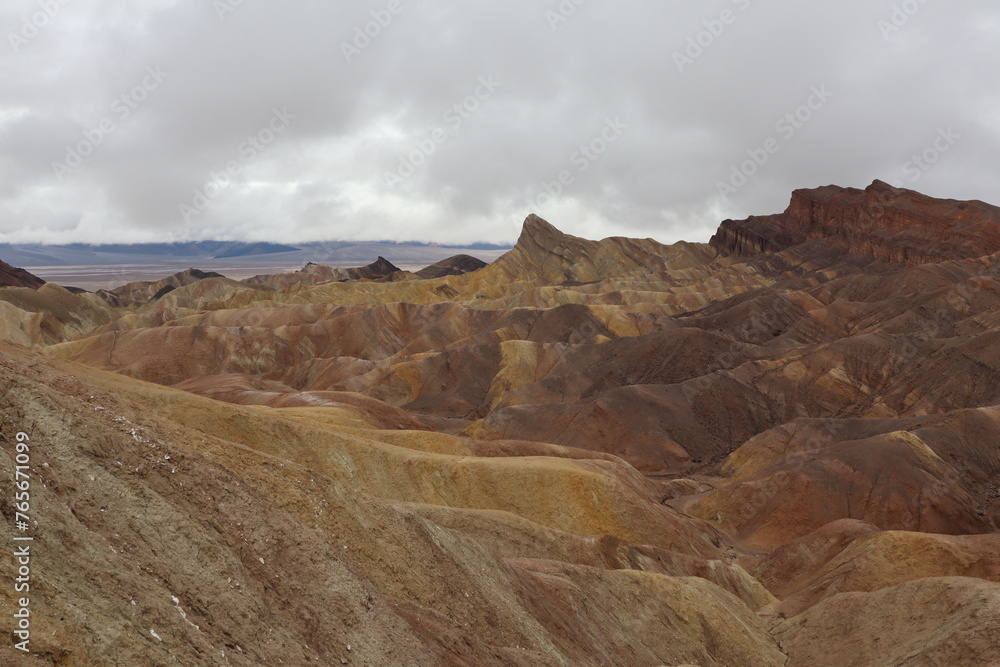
column 900, row 72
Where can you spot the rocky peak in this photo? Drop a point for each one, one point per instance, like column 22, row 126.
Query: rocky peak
column 380, row 268
column 550, row 256
column 539, row 232
column 542, row 251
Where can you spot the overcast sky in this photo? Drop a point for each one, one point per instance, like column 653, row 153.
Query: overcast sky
column 450, row 121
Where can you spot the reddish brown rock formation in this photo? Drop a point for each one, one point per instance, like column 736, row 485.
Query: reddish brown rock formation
column 453, row 266
column 890, row 224
column 11, row 276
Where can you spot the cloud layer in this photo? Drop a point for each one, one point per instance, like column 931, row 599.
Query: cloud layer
column 450, row 121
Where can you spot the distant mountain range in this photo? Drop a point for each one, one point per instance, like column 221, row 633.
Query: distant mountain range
column 351, row 252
